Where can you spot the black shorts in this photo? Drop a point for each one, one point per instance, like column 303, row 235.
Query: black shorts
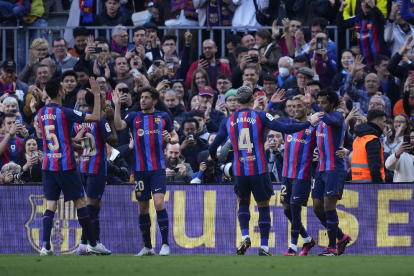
column 149, row 181
column 328, row 183
column 294, row 190
column 259, row 185
column 94, row 184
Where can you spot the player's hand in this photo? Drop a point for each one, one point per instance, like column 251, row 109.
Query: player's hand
column 95, row 90
column 170, row 173
column 166, row 136
column 116, row 99
column 316, row 117
column 278, row 95
column 203, row 166
column 131, row 141
column 79, row 136
column 342, row 152
column 182, row 170
column 109, row 114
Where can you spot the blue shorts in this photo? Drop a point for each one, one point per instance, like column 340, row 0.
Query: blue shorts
column 259, row 185
column 328, row 183
column 294, row 190
column 94, row 184
column 69, row 182
column 149, row 181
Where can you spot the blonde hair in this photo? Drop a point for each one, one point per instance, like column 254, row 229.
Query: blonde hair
column 298, row 97
column 39, row 41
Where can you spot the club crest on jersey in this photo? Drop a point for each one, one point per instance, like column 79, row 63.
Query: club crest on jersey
column 289, row 138
column 270, row 117
column 66, row 231
column 157, row 120
column 308, row 131
column 323, row 125
column 107, row 127
column 77, row 112
column 140, row 132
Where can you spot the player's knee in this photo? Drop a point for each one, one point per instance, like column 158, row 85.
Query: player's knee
column 330, row 203
column 318, row 210
column 264, row 203
column 159, row 205
column 79, row 203
column 94, row 201
column 52, row 205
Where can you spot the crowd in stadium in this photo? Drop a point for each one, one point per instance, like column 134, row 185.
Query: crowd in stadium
column 297, row 54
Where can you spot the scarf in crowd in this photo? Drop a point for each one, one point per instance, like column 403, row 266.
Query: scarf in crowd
column 8, row 88
column 115, row 48
column 187, row 6
column 218, row 14
column 85, row 7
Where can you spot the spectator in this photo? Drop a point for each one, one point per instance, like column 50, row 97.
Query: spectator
column 70, row 85
column 140, row 41
column 169, row 46
column 111, row 16
column 298, row 62
column 191, row 144
column 193, row 103
column 121, row 68
column 10, row 84
column 388, row 85
column 176, row 170
column 203, row 134
column 397, row 30
column 370, row 15
column 406, row 104
column 248, row 41
column 239, row 53
column 37, row 51
column 402, row 161
column 80, row 35
column 304, row 76
column 223, row 83
column 354, row 8
column 247, row 61
column 245, row 14
column 100, row 66
column 347, row 57
column 274, row 147
column 316, row 87
column 11, row 173
column 16, row 9
column 158, row 16
column 395, row 140
column 209, row 63
column 270, row 85
column 119, row 41
column 30, row 159
column 10, row 144
column 199, row 79
column 232, row 41
column 177, row 109
column 270, row 51
column 231, row 102
column 55, row 70
column 213, row 117
column 285, row 65
column 367, row 161
column 308, row 10
column 251, row 77
column 288, row 41
column 10, row 103
column 372, row 84
column 181, row 89
column 83, row 75
column 61, row 55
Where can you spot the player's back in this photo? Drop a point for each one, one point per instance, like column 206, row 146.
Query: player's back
column 246, row 130
column 56, row 124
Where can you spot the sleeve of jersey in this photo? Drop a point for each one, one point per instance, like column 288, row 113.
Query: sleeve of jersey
column 276, row 125
column 74, row 115
column 104, row 128
column 221, row 136
column 169, row 126
column 332, row 119
column 130, row 118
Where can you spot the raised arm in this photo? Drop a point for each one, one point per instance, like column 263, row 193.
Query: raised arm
column 405, row 12
column 112, row 139
column 406, row 101
column 96, row 114
column 118, row 122
column 220, row 138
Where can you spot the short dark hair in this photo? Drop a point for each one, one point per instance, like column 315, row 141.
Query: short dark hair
column 270, row 77
column 42, row 65
column 102, row 40
column 70, row 73
column 315, row 83
column 79, row 68
column 121, row 57
column 254, row 49
column 168, row 37
column 190, row 120
column 223, row 76
column 53, row 87
column 239, row 50
column 233, row 39
column 9, row 115
column 374, row 114
column 250, row 68
column 155, row 95
column 139, row 28
column 58, row 39
column 300, row 59
column 80, row 31
column 319, row 21
column 349, row 51
column 330, row 95
column 196, row 112
column 379, row 59
column 89, row 99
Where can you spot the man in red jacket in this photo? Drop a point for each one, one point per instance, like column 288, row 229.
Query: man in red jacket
column 209, row 63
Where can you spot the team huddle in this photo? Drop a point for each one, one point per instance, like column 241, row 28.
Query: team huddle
column 63, row 129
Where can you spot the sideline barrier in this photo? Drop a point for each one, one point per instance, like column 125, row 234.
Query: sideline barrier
column 203, row 220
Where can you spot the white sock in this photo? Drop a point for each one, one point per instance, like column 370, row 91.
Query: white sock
column 294, row 247
column 245, row 237
column 265, row 248
column 307, row 240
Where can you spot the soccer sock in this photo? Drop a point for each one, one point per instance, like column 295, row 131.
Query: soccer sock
column 296, row 223
column 97, row 226
column 145, row 226
column 264, row 226
column 303, row 233
column 244, row 218
column 162, row 219
column 339, row 233
column 85, row 222
column 332, row 223
column 47, row 228
column 322, row 219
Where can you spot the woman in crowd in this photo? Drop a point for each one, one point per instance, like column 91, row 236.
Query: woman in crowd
column 179, row 86
column 30, row 159
column 200, row 78
column 402, row 127
column 347, row 57
column 37, row 51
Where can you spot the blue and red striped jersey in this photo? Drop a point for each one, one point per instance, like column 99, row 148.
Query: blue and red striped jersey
column 93, row 155
column 56, row 123
column 10, row 154
column 246, row 129
column 299, row 148
column 147, row 131
column 330, row 135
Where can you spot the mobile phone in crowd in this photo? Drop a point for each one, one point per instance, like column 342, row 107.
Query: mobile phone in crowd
column 170, row 63
column 157, row 63
column 319, row 43
column 124, row 90
column 221, row 99
column 35, row 153
column 254, row 59
column 136, row 73
column 411, row 74
column 176, row 169
column 357, row 106
column 98, row 50
column 407, row 139
column 271, row 138
column 260, row 94
column 190, row 136
column 203, row 57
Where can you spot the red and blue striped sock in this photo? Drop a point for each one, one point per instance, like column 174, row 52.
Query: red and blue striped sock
column 85, row 221
column 47, row 222
column 162, row 219
column 332, row 226
column 244, row 218
column 264, row 225
column 145, row 227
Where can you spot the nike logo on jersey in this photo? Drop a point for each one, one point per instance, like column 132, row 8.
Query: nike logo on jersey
column 158, row 189
column 295, row 197
column 329, row 192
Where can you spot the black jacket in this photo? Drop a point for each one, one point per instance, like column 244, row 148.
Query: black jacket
column 373, row 148
column 190, row 154
column 393, row 91
column 103, row 19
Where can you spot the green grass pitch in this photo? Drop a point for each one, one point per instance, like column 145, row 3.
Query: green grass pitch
column 228, row 265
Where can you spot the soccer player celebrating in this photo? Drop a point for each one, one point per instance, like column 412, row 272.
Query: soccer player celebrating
column 59, row 165
column 297, row 173
column 331, row 171
column 93, row 137
column 150, row 128
column 246, row 129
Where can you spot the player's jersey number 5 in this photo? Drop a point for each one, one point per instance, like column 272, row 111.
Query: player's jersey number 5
column 54, row 145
